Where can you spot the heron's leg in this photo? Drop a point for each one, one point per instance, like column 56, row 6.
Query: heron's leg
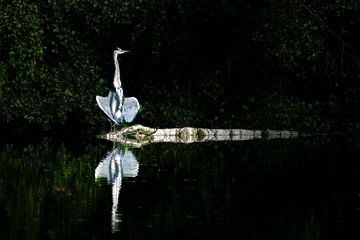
column 122, row 125
column 112, row 127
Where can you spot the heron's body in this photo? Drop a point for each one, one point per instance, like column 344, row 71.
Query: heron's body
column 118, row 108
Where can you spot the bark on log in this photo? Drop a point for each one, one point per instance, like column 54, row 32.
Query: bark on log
column 138, row 135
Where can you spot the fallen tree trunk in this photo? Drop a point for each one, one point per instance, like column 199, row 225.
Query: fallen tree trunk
column 138, row 135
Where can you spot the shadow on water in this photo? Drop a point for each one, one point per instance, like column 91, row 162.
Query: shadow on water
column 277, row 189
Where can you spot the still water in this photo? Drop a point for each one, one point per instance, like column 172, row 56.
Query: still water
column 302, row 188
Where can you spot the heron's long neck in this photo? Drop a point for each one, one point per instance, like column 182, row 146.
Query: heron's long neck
column 117, row 82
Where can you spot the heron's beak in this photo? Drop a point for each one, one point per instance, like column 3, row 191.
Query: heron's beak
column 121, row 51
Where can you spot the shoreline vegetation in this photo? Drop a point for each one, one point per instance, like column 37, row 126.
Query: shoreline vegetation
column 204, row 64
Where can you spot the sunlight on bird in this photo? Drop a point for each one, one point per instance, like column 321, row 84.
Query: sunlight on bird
column 116, row 107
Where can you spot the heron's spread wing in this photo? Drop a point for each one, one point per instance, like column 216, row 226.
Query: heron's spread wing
column 104, row 104
column 131, row 107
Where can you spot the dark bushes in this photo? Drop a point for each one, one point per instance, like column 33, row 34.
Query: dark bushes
column 270, row 64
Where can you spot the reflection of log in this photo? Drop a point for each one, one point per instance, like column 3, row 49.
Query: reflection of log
column 138, row 135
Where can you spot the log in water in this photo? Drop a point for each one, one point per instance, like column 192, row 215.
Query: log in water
column 138, row 135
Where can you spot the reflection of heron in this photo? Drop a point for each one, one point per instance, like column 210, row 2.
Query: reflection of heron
column 115, row 106
column 116, row 165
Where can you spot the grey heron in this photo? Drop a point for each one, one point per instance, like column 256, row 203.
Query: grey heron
column 118, row 108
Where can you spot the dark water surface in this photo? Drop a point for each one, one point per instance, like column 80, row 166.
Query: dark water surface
column 275, row 189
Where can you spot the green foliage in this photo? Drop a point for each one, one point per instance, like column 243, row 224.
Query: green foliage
column 209, row 63
column 294, row 36
column 312, row 42
column 47, row 72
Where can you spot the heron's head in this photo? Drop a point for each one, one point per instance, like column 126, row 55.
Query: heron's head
column 121, row 51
